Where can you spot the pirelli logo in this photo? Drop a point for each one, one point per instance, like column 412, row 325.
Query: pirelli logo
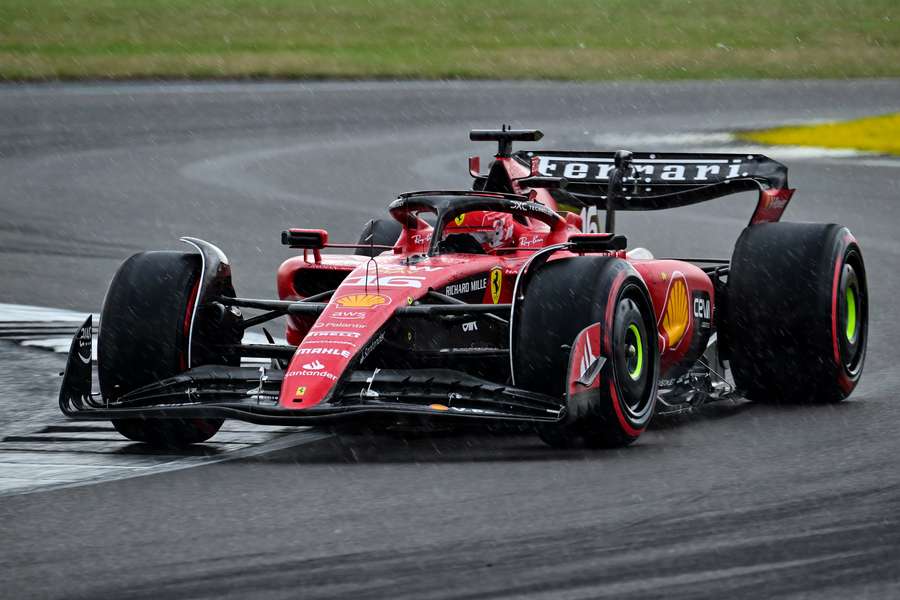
column 646, row 170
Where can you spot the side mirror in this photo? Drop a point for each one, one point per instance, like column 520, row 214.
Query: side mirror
column 308, row 239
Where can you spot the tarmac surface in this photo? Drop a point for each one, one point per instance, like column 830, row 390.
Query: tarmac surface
column 738, row 500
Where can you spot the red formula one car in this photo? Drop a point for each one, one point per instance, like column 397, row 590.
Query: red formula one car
column 491, row 304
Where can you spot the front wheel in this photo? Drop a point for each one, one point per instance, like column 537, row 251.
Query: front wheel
column 585, row 332
column 144, row 335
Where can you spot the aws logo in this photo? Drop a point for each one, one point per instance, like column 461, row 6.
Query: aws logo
column 362, row 300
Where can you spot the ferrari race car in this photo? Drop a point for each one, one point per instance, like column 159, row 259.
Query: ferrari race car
column 491, row 304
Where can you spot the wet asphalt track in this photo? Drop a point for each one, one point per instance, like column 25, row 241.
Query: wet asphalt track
column 738, row 501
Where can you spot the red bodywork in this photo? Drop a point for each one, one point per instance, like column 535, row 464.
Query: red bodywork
column 682, row 293
column 372, row 289
column 433, row 315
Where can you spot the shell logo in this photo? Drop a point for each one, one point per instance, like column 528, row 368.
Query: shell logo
column 460, row 219
column 362, row 300
column 675, row 316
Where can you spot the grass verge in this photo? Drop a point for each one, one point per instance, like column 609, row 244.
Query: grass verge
column 574, row 39
column 872, row 134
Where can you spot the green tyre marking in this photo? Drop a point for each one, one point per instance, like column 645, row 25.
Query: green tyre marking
column 635, row 373
column 851, row 314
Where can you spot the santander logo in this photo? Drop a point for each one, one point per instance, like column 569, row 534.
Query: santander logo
column 314, row 366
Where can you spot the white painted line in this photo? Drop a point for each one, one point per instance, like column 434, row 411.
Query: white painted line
column 74, row 457
column 59, row 345
column 796, row 152
column 25, row 313
column 283, row 443
column 891, row 163
column 80, row 458
column 68, row 466
column 609, row 140
column 715, row 142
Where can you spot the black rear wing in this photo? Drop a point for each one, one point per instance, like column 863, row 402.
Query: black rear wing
column 659, row 180
column 643, row 181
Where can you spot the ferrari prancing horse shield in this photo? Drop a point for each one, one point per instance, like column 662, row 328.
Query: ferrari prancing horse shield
column 496, row 284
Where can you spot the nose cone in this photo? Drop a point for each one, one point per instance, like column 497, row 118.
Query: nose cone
column 346, row 327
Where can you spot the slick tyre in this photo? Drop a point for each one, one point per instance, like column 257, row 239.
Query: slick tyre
column 379, row 232
column 144, row 337
column 562, row 300
column 798, row 313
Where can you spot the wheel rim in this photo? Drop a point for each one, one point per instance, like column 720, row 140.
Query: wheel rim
column 631, row 360
column 634, row 352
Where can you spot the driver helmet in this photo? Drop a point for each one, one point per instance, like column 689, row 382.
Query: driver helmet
column 491, row 230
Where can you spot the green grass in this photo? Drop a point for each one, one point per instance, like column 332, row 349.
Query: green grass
column 663, row 39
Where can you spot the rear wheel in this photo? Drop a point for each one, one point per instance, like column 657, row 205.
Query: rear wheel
column 379, row 232
column 144, row 329
column 584, row 333
column 797, row 320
